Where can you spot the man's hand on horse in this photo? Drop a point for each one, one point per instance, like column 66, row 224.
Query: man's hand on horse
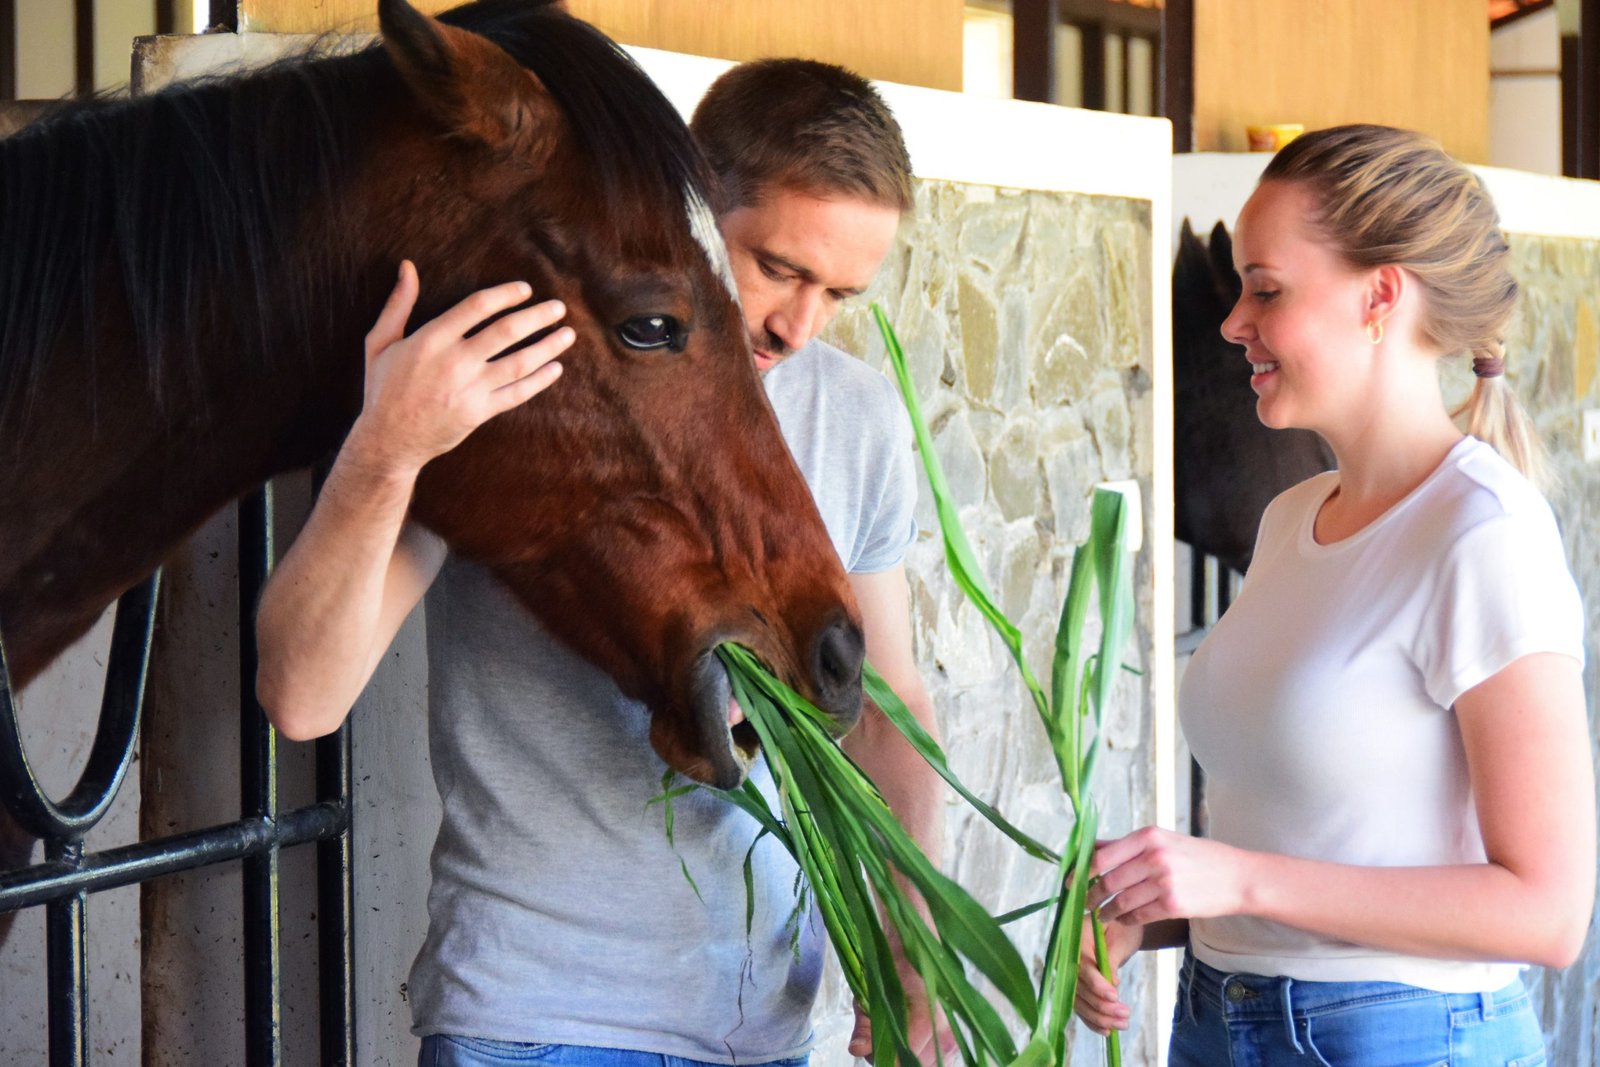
column 426, row 392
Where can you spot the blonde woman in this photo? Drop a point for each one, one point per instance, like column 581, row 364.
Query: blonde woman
column 1391, row 716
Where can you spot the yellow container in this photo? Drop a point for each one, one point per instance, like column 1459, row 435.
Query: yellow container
column 1273, row 137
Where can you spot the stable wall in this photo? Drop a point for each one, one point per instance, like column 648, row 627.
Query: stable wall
column 1421, row 64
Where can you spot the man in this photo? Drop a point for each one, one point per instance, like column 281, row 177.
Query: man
column 562, row 926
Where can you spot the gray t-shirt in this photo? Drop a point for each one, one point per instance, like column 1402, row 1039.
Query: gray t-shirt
column 558, row 912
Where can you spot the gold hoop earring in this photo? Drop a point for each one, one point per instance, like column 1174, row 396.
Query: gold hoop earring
column 1375, row 332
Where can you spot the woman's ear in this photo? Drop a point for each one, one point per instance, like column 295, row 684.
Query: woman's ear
column 1390, row 287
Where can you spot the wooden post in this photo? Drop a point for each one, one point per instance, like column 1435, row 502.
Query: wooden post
column 1580, row 88
column 1177, row 71
column 1033, row 50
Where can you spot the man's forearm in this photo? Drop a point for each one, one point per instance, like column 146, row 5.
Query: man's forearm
column 321, row 613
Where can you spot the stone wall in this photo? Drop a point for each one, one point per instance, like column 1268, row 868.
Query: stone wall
column 1552, row 351
column 1027, row 323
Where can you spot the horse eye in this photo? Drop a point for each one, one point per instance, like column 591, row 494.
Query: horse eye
column 652, row 331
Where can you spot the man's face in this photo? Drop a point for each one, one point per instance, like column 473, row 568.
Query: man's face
column 795, row 257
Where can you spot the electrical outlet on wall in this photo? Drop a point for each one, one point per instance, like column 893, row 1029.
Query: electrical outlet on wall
column 1589, row 433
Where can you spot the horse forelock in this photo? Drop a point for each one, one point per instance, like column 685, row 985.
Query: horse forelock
column 703, row 225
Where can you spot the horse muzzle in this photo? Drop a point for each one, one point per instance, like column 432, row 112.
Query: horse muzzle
column 719, row 751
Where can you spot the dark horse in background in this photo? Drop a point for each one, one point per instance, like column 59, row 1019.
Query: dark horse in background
column 186, row 279
column 1228, row 466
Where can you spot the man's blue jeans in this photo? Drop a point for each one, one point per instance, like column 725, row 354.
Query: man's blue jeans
column 1246, row 1020
column 442, row 1050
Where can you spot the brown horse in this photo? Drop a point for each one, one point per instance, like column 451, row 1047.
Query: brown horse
column 185, row 280
column 1227, row 465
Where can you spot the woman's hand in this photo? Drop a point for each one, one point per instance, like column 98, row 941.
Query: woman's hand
column 425, row 393
column 1099, row 1003
column 1154, row 874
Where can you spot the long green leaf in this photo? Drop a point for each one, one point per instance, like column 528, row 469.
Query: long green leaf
column 879, row 692
column 962, row 560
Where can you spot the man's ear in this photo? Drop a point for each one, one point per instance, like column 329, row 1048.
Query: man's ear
column 470, row 85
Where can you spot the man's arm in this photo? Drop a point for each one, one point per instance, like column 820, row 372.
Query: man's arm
column 335, row 602
column 912, row 788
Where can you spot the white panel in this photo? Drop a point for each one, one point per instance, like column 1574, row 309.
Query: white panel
column 116, row 24
column 986, row 54
column 1525, row 123
column 1141, row 77
column 44, row 49
column 1533, row 42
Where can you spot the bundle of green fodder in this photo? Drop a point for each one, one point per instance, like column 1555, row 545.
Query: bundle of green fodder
column 862, row 867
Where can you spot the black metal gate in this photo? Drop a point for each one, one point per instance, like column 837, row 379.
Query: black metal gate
column 1212, row 584
column 63, row 882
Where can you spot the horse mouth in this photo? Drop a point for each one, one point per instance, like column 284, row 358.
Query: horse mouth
column 728, row 749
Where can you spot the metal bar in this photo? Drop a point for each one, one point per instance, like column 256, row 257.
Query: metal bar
column 66, row 976
column 258, row 797
column 121, row 704
column 131, row 864
column 336, row 887
column 1033, row 49
column 8, row 49
column 1176, row 53
column 83, row 47
column 1094, row 66
column 336, row 906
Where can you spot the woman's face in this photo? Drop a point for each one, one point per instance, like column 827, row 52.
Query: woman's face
column 1301, row 315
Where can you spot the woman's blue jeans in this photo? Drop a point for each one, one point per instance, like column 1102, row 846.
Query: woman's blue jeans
column 1246, row 1020
column 441, row 1050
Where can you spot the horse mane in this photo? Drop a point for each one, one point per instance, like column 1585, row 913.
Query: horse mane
column 188, row 200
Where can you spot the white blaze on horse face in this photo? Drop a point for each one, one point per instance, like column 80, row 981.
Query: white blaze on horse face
column 703, row 224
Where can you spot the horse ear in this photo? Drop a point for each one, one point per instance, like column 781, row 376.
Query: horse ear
column 468, row 84
column 1227, row 279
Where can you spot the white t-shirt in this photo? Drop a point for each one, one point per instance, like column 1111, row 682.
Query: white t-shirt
column 1320, row 706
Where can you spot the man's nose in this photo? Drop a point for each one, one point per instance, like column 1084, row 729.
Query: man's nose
column 800, row 318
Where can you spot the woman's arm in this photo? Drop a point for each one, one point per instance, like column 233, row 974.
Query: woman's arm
column 1525, row 731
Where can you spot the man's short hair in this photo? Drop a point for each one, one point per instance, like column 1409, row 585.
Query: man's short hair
column 800, row 124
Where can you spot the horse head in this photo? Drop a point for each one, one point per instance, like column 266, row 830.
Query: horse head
column 1227, row 465
column 647, row 509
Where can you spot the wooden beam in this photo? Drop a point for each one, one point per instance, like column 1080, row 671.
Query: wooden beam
column 1176, row 58
column 1421, row 65
column 1033, row 49
column 916, row 42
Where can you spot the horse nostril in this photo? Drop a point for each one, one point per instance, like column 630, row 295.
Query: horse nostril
column 840, row 651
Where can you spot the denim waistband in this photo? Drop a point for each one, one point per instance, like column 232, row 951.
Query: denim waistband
column 1247, row 996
